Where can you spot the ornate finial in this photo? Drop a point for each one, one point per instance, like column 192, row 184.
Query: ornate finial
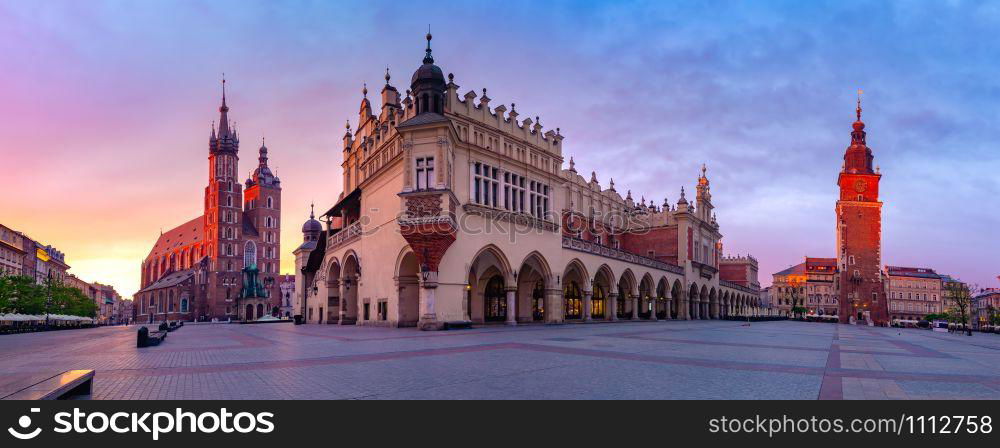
column 484, row 91
column 364, row 90
column 223, row 89
column 612, row 184
column 513, row 107
column 572, row 164
column 859, row 103
column 428, row 59
column 703, row 170
column 682, row 193
column 387, row 75
column 347, row 125
column 312, row 210
column 593, row 176
column 451, row 77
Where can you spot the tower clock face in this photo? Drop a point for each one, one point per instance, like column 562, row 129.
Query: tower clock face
column 860, row 186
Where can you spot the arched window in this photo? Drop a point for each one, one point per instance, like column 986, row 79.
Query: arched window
column 270, row 202
column 184, row 305
column 229, row 201
column 597, row 302
column 573, row 300
column 170, row 301
column 250, row 254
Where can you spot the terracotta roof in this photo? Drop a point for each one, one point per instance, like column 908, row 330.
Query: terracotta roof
column 821, row 264
column 185, row 234
column 901, row 271
column 798, row 269
column 422, row 119
column 171, row 279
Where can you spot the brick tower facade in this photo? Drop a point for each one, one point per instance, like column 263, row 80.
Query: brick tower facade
column 859, row 234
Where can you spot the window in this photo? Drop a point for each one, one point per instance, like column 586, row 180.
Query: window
column 250, row 254
column 270, row 202
column 425, row 173
column 850, row 260
column 538, row 198
column 513, row 189
column 383, row 310
column 486, row 185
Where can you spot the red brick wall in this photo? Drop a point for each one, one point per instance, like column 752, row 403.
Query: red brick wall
column 736, row 273
column 662, row 241
column 861, row 237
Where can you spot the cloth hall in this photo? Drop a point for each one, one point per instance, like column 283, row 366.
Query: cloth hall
column 455, row 209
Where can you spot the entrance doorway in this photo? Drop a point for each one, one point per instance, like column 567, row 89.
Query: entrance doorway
column 495, row 300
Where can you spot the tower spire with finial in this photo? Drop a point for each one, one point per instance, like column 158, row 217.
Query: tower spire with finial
column 859, row 103
column 387, row 76
column 428, row 59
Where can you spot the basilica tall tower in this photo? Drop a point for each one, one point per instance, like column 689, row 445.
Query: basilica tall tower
column 859, row 234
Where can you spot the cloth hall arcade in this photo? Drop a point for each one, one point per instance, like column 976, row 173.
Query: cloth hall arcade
column 456, row 209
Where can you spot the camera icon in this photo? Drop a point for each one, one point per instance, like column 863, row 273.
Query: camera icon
column 25, row 422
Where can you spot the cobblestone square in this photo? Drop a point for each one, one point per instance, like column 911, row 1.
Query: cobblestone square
column 640, row 360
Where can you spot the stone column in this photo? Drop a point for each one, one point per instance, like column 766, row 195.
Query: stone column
column 554, row 308
column 667, row 303
column 587, row 299
column 612, row 307
column 511, row 306
column 705, row 314
column 428, row 315
column 341, row 302
column 652, row 312
column 635, row 308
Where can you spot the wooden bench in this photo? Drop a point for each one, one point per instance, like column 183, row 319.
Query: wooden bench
column 457, row 324
column 67, row 385
column 146, row 338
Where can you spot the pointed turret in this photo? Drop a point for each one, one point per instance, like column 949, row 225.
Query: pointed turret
column 858, row 158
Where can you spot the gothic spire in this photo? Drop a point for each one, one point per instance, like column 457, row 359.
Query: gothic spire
column 224, row 131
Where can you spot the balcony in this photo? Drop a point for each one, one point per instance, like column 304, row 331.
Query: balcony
column 580, row 245
column 344, row 236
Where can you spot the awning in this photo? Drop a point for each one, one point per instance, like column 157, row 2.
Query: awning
column 351, row 199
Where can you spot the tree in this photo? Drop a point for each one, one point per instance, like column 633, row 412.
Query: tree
column 796, row 299
column 960, row 294
column 70, row 300
column 20, row 294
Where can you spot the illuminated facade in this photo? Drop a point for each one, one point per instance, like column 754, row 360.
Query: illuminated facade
column 457, row 210
column 811, row 285
column 223, row 264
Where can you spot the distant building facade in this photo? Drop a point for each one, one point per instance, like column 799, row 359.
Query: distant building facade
column 812, row 285
column 985, row 307
column 913, row 292
column 12, row 253
column 286, row 283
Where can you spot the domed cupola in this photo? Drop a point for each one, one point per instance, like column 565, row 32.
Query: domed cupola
column 428, row 85
column 312, row 228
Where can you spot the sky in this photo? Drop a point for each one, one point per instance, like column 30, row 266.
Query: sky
column 106, row 109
